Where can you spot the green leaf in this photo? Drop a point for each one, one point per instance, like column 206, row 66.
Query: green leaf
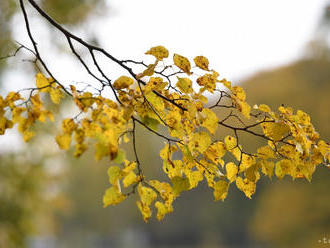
column 120, row 158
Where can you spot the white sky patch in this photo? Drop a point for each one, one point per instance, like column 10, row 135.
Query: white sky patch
column 239, row 37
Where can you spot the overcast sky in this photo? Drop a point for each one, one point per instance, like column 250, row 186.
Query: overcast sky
column 239, row 37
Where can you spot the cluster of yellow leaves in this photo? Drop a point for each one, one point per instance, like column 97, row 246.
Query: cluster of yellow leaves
column 48, row 85
column 15, row 109
column 194, row 125
column 293, row 146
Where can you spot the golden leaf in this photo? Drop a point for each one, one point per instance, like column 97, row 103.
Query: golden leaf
column 182, row 62
column 56, row 95
column 145, row 210
column 215, row 152
column 159, row 52
column 230, row 142
column 202, row 62
column 162, row 210
column 220, row 190
column 42, row 83
column 115, row 174
column 63, row 141
column 232, row 171
column 27, row 135
column 246, row 186
column 184, row 85
column 199, row 142
column 130, row 178
column 180, row 184
column 266, row 152
column 112, row 196
column 147, row 195
column 210, row 120
column 123, row 82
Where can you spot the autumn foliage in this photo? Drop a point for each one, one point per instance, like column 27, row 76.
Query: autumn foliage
column 168, row 98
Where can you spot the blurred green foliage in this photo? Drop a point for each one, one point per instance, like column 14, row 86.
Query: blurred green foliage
column 26, row 208
column 70, row 11
column 7, row 10
column 23, row 199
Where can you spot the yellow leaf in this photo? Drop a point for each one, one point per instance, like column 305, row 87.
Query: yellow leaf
column 267, row 167
column 275, row 130
column 180, row 184
column 226, row 83
column 230, row 142
column 210, row 120
column 12, row 97
column 199, row 142
column 147, row 72
column 27, row 135
column 252, row 173
column 42, row 83
column 3, row 121
column 164, row 153
column 112, row 196
column 147, row 195
column 173, row 168
column 155, row 83
column 215, row 152
column 101, row 150
column 130, row 179
column 159, row 52
column 145, row 210
column 79, row 150
column 36, row 101
column 86, row 100
column 55, row 95
column 156, row 102
column 182, row 62
column 266, row 152
column 202, row 62
column 16, row 114
column 120, row 157
column 173, row 119
column 264, row 108
column 232, row 171
column 68, row 125
column 115, row 174
column 129, row 166
column 165, row 191
column 194, row 178
column 162, row 210
column 220, row 190
column 126, row 139
column 208, row 81
column 123, row 82
column 246, row 186
column 246, row 162
column 245, row 109
column 284, row 167
column 64, row 141
column 239, row 93
column 184, row 85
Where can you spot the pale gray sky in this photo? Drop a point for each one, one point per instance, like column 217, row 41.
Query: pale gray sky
column 239, row 37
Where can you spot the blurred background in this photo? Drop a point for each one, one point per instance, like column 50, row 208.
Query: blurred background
column 277, row 50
